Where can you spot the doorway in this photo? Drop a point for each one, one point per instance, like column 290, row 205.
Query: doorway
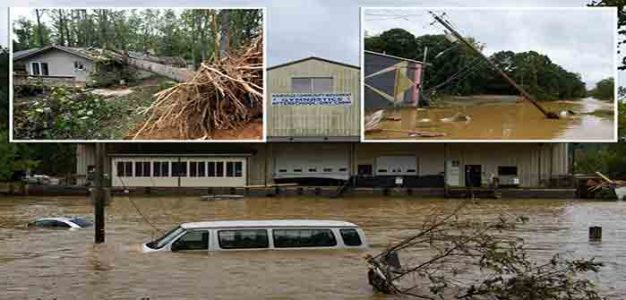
column 473, row 175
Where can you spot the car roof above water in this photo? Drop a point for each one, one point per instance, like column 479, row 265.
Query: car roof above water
column 267, row 223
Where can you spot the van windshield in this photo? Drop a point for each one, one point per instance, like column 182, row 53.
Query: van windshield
column 166, row 238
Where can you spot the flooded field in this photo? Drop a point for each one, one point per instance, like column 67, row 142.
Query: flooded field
column 495, row 118
column 50, row 264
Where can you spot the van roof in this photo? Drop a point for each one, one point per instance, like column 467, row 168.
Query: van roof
column 267, row 223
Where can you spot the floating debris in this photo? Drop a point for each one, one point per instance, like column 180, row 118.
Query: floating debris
column 457, row 117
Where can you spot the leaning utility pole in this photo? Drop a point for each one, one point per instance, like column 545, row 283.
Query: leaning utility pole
column 549, row 115
column 99, row 193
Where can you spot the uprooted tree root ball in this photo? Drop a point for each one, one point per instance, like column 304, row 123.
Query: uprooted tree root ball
column 220, row 96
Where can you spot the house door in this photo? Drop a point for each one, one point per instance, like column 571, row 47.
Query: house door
column 473, row 175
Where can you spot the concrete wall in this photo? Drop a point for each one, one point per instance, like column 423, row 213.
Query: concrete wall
column 318, row 120
column 61, row 63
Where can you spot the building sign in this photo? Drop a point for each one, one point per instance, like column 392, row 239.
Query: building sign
column 312, row 99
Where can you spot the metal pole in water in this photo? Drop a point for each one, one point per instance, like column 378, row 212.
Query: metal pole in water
column 99, row 193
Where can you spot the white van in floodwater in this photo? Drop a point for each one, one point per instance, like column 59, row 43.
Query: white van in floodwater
column 260, row 235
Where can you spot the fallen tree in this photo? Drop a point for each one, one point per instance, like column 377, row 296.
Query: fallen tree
column 222, row 95
column 465, row 259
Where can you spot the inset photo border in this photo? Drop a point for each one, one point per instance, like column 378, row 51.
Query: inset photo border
column 489, row 74
column 138, row 74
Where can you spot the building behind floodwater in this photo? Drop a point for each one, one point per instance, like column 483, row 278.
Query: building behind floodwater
column 313, row 126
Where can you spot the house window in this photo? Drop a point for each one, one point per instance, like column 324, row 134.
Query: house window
column 40, row 68
column 234, row 169
column 312, row 85
column 124, row 169
column 78, row 65
column 142, row 169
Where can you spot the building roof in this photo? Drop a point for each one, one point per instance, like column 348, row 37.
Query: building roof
column 92, row 54
column 393, row 56
column 267, row 223
column 315, row 58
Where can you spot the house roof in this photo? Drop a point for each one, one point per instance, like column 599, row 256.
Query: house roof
column 315, row 58
column 92, row 54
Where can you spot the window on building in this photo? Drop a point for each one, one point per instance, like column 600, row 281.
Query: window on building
column 219, row 169
column 230, row 169
column 193, row 169
column 35, row 68
column 197, row 169
column 328, row 170
column 282, row 170
column 211, row 169
column 238, row 169
column 142, row 169
column 312, row 169
column 179, row 168
column 78, row 65
column 243, row 239
column 312, row 85
column 507, row 170
column 343, row 169
column 124, row 168
column 297, row 170
column 193, row 240
column 364, row 170
column 201, row 169
column 293, row 238
column 161, row 168
column 40, row 68
column 350, row 237
column 44, row 69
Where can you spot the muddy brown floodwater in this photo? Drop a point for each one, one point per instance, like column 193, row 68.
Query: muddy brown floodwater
column 501, row 118
column 53, row 264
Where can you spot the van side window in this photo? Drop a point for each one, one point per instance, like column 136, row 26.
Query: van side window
column 293, row 238
column 350, row 237
column 243, row 239
column 192, row 240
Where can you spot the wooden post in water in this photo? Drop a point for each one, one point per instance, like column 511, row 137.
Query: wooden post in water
column 100, row 193
column 595, row 233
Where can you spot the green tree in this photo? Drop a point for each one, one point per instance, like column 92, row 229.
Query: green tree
column 604, row 90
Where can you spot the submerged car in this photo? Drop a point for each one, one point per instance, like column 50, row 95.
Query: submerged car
column 260, row 235
column 60, row 223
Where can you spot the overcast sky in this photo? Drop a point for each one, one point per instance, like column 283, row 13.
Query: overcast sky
column 301, row 28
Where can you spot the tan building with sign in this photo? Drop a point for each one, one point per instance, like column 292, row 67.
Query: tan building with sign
column 336, row 119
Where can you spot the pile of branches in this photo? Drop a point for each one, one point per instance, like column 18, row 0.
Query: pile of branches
column 466, row 259
column 220, row 96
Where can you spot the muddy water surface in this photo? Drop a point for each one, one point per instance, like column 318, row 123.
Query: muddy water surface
column 506, row 119
column 50, row 264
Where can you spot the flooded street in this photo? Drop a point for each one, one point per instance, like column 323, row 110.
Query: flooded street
column 495, row 118
column 50, row 264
